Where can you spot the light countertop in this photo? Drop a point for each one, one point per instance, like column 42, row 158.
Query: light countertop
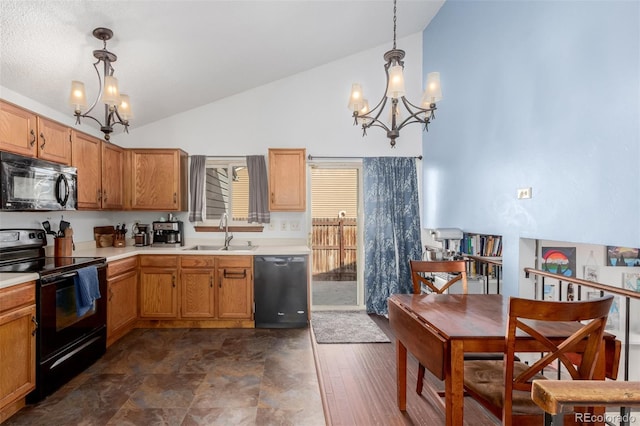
column 88, row 249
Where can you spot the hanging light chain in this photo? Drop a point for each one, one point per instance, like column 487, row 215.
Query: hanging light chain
column 394, row 24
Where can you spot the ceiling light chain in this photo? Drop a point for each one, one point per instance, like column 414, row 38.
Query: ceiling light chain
column 117, row 107
column 394, row 68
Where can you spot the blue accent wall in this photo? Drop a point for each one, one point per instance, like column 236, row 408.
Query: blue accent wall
column 541, row 94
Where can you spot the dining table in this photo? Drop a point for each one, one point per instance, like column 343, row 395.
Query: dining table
column 438, row 329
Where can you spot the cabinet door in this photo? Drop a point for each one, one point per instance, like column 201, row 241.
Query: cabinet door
column 158, row 293
column 122, row 307
column 87, row 158
column 156, row 179
column 54, row 141
column 287, row 180
column 17, row 130
column 197, row 295
column 235, row 287
column 112, row 176
column 17, row 354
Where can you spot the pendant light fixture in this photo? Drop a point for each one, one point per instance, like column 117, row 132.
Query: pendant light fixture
column 395, row 92
column 117, row 107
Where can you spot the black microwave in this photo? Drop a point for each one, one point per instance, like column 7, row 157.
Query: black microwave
column 30, row 184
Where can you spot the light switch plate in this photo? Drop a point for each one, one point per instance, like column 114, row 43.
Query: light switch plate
column 524, row 193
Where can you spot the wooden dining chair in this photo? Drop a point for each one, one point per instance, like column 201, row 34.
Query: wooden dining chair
column 504, row 387
column 457, row 270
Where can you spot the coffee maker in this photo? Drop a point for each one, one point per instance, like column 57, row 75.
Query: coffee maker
column 168, row 234
column 142, row 235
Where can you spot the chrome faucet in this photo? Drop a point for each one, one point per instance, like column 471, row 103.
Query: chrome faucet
column 224, row 224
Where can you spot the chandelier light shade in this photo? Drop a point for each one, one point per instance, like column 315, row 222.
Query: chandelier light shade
column 117, row 106
column 395, row 94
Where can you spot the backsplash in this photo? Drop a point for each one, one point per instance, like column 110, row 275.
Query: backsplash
column 284, row 225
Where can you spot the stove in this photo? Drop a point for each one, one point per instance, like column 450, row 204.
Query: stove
column 68, row 340
column 22, row 250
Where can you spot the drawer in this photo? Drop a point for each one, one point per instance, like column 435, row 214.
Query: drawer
column 197, row 261
column 121, row 266
column 159, row 261
column 234, row 261
column 17, row 296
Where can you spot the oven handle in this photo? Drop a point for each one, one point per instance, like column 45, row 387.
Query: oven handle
column 53, row 278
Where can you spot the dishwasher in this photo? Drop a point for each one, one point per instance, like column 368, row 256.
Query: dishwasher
column 280, row 291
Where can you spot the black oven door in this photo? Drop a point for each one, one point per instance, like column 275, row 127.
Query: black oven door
column 60, row 325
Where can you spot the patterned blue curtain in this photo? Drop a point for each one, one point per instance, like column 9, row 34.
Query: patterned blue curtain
column 391, row 228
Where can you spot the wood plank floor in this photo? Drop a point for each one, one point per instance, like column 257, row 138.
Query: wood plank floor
column 359, row 382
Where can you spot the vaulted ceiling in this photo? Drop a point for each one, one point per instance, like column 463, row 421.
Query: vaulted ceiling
column 180, row 54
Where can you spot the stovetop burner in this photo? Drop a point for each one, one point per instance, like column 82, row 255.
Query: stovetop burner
column 22, row 250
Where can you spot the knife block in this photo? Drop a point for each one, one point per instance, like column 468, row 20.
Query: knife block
column 62, row 246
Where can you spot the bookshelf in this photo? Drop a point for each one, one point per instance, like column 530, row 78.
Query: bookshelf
column 485, row 253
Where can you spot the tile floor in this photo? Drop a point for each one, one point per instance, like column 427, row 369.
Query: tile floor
column 191, row 377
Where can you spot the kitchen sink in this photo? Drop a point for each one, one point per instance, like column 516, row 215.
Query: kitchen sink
column 222, row 248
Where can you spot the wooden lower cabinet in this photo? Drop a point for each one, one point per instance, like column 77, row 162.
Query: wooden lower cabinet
column 197, row 294
column 122, row 298
column 235, row 287
column 17, row 347
column 217, row 287
column 196, row 291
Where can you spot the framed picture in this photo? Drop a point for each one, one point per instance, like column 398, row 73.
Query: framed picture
column 623, row 256
column 631, row 281
column 559, row 260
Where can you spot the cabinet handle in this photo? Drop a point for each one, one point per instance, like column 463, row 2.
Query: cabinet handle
column 235, row 274
column 175, row 197
column 110, row 294
column 44, row 141
column 35, row 324
column 104, row 196
column 33, row 135
column 272, row 197
column 98, row 197
column 211, row 281
column 173, row 281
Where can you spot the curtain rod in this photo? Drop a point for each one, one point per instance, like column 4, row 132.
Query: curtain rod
column 311, row 157
column 224, row 156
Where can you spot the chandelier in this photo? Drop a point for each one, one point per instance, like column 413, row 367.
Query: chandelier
column 117, row 108
column 395, row 92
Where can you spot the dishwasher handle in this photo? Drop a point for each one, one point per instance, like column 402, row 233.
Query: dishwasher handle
column 280, row 261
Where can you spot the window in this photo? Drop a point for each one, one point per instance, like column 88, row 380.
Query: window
column 226, row 190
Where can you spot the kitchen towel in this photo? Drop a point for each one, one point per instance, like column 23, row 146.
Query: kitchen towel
column 87, row 289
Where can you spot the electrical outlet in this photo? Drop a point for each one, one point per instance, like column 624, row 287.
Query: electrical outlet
column 283, row 225
column 272, row 225
column 294, row 225
column 524, row 193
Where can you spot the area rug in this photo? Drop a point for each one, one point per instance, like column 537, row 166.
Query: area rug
column 346, row 327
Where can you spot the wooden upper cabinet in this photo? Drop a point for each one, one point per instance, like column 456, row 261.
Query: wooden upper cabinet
column 54, row 141
column 100, row 173
column 158, row 179
column 24, row 133
column 287, row 180
column 113, row 176
column 86, row 157
column 18, row 131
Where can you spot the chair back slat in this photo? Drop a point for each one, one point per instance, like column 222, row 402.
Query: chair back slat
column 421, row 267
